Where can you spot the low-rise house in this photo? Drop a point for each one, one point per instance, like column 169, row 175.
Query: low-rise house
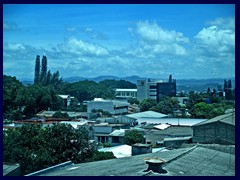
column 103, row 130
column 220, row 130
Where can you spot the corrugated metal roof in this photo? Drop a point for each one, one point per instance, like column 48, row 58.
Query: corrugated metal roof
column 196, row 161
column 147, row 114
column 118, row 132
column 226, row 118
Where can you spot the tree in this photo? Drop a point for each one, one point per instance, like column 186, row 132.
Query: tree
column 113, row 84
column 37, row 70
column 133, row 101
column 166, row 105
column 36, row 148
column 146, row 104
column 44, row 69
column 133, row 136
column 59, row 114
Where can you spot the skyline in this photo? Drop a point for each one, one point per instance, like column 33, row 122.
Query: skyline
column 154, row 41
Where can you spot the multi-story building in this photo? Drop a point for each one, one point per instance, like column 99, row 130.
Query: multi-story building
column 111, row 106
column 125, row 93
column 156, row 89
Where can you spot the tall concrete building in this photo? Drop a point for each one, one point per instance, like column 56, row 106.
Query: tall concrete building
column 155, row 89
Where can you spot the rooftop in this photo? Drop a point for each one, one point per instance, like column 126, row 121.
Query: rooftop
column 226, row 118
column 128, row 90
column 51, row 113
column 171, row 121
column 191, row 161
column 147, row 114
column 118, row 132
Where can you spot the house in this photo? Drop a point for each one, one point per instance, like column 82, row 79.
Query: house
column 220, row 130
column 102, row 131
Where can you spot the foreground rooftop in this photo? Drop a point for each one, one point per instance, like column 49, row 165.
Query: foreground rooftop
column 190, row 161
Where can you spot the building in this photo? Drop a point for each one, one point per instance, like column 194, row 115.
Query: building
column 220, row 130
column 125, row 93
column 66, row 99
column 102, row 132
column 156, row 89
column 196, row 160
column 145, row 116
column 112, row 106
column 71, row 114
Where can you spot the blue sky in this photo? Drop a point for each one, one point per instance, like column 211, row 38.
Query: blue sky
column 155, row 40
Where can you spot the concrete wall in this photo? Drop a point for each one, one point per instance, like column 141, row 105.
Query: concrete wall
column 217, row 132
column 141, row 149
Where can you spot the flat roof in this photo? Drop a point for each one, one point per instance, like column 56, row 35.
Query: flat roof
column 127, row 90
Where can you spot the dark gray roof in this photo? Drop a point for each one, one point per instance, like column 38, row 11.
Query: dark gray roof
column 9, row 168
column 174, row 130
column 226, row 118
column 191, row 161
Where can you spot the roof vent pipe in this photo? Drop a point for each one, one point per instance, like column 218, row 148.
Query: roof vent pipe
column 155, row 164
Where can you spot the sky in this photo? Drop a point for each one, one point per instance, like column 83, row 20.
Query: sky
column 148, row 40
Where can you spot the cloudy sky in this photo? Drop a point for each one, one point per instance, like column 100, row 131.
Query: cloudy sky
column 187, row 41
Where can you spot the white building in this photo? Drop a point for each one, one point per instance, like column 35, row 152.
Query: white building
column 112, row 106
column 126, row 93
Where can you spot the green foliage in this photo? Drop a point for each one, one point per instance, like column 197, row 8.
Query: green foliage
column 35, row 148
column 133, row 101
column 97, row 156
column 146, row 104
column 208, row 111
column 101, row 112
column 166, row 105
column 37, row 70
column 59, row 114
column 87, row 90
column 107, row 144
column 10, row 88
column 133, row 136
column 37, row 98
column 121, row 84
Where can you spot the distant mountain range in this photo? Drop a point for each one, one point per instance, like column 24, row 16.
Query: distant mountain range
column 182, row 84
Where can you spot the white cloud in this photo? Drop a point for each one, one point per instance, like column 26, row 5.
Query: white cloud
column 155, row 41
column 80, row 47
column 223, row 23
column 153, row 32
column 7, row 26
column 213, row 41
column 71, row 29
column 13, row 46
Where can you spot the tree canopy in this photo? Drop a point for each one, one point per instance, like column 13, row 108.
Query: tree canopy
column 36, row 148
column 121, row 84
column 133, row 136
